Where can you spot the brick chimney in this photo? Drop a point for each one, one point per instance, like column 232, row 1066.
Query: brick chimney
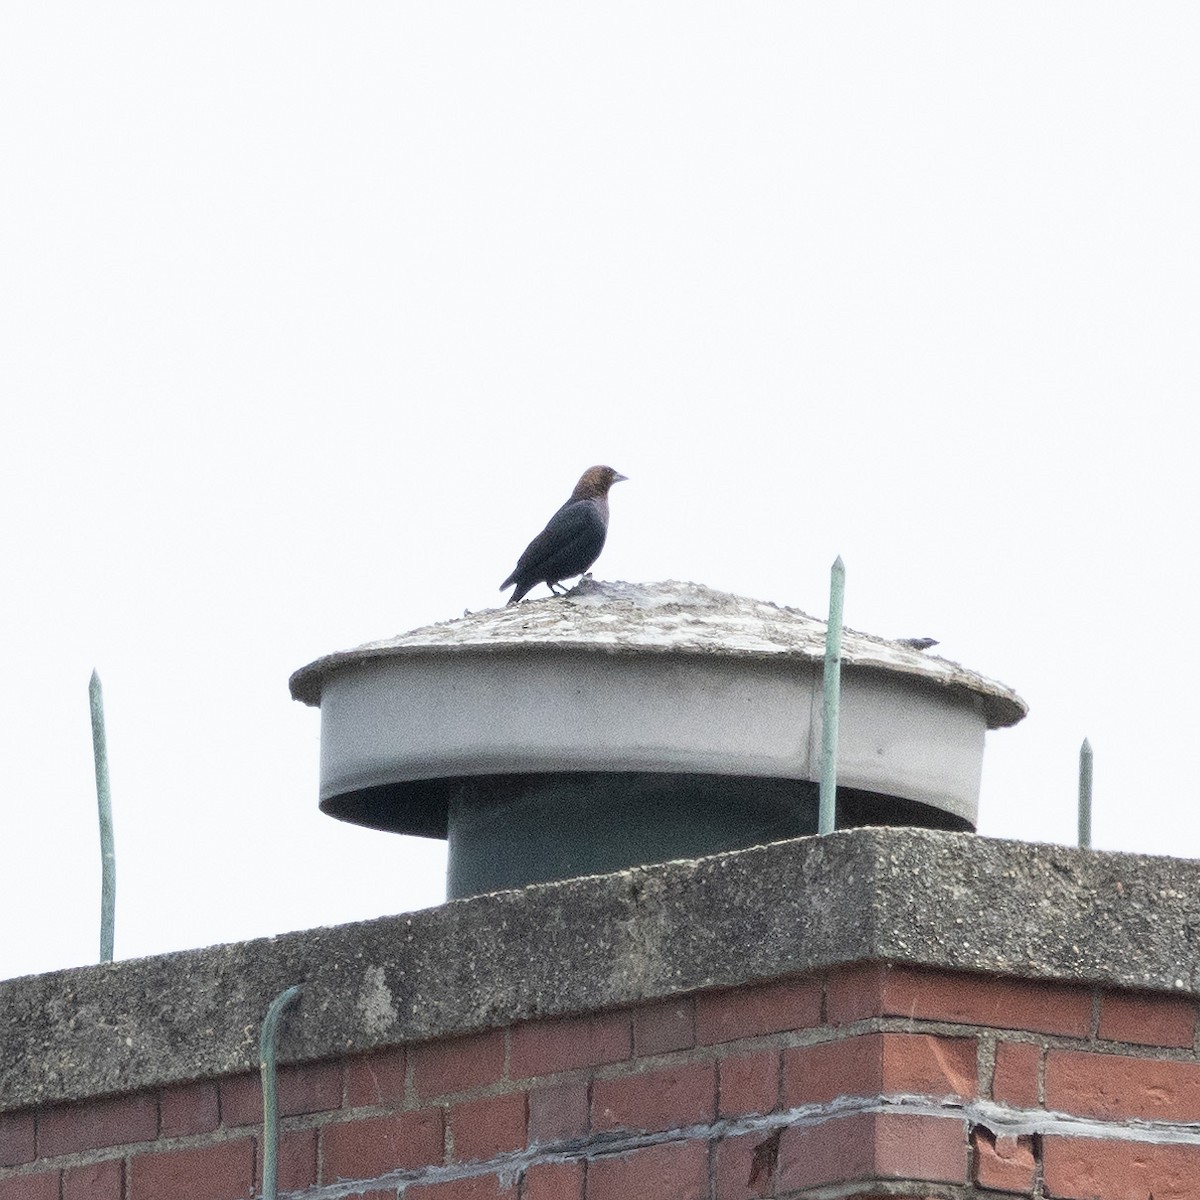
column 897, row 1009
column 879, row 1012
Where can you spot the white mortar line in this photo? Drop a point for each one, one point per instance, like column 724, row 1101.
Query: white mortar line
column 998, row 1118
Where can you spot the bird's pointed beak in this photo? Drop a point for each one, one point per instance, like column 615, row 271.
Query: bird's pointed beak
column 619, row 478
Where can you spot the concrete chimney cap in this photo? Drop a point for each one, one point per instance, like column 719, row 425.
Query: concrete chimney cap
column 670, row 617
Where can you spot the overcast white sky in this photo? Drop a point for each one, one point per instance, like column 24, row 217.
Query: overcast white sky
column 312, row 314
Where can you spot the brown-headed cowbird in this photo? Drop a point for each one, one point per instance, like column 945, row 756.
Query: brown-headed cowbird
column 572, row 539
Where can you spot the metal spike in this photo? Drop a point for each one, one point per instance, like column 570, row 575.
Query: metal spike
column 108, row 855
column 831, row 692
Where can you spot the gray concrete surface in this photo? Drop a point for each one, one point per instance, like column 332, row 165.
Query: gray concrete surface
column 942, row 900
column 672, row 618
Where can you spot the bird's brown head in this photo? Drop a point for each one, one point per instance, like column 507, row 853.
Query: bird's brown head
column 596, row 481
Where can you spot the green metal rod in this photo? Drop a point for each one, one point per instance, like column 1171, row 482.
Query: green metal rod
column 266, row 1062
column 1085, row 794
column 108, row 854
column 832, row 694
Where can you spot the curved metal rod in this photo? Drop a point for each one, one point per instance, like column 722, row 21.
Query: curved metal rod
column 266, row 1062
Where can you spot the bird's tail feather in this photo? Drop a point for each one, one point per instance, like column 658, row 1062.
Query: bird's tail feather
column 521, row 592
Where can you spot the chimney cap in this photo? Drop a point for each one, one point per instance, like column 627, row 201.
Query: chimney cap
column 670, row 617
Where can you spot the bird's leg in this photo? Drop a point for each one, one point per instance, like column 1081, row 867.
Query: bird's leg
column 556, row 588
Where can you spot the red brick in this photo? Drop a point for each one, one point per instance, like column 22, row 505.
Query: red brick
column 833, row 1152
column 221, row 1172
column 1147, row 1019
column 878, row 1064
column 746, row 1166
column 966, row 999
column 553, row 1181
column 934, row 1066
column 669, row 1098
column 1004, row 1164
column 458, row 1065
column 1117, row 1086
column 748, row 1083
column 374, row 1194
column 854, row 993
column 931, row 1149
column 821, row 1073
column 1015, row 1077
column 756, row 1010
column 1091, row 1169
column 676, row 1171
column 296, row 1160
column 373, row 1079
column 661, row 1028
column 891, row 1196
column 42, row 1186
column 187, row 1109
column 558, row 1112
column 97, row 1124
column 96, row 1181
column 481, row 1129
column 546, row 1047
column 241, row 1100
column 874, row 1146
column 309, row 1088
column 16, row 1139
column 368, row 1147
column 481, row 1187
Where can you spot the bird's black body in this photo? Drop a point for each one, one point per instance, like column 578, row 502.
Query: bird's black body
column 570, row 543
column 572, row 539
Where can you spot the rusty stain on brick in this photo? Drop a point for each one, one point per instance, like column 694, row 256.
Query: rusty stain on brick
column 765, row 1160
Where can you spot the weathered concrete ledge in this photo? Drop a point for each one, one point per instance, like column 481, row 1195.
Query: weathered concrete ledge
column 952, row 901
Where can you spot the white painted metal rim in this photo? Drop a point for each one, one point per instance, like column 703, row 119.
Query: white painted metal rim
column 402, row 718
